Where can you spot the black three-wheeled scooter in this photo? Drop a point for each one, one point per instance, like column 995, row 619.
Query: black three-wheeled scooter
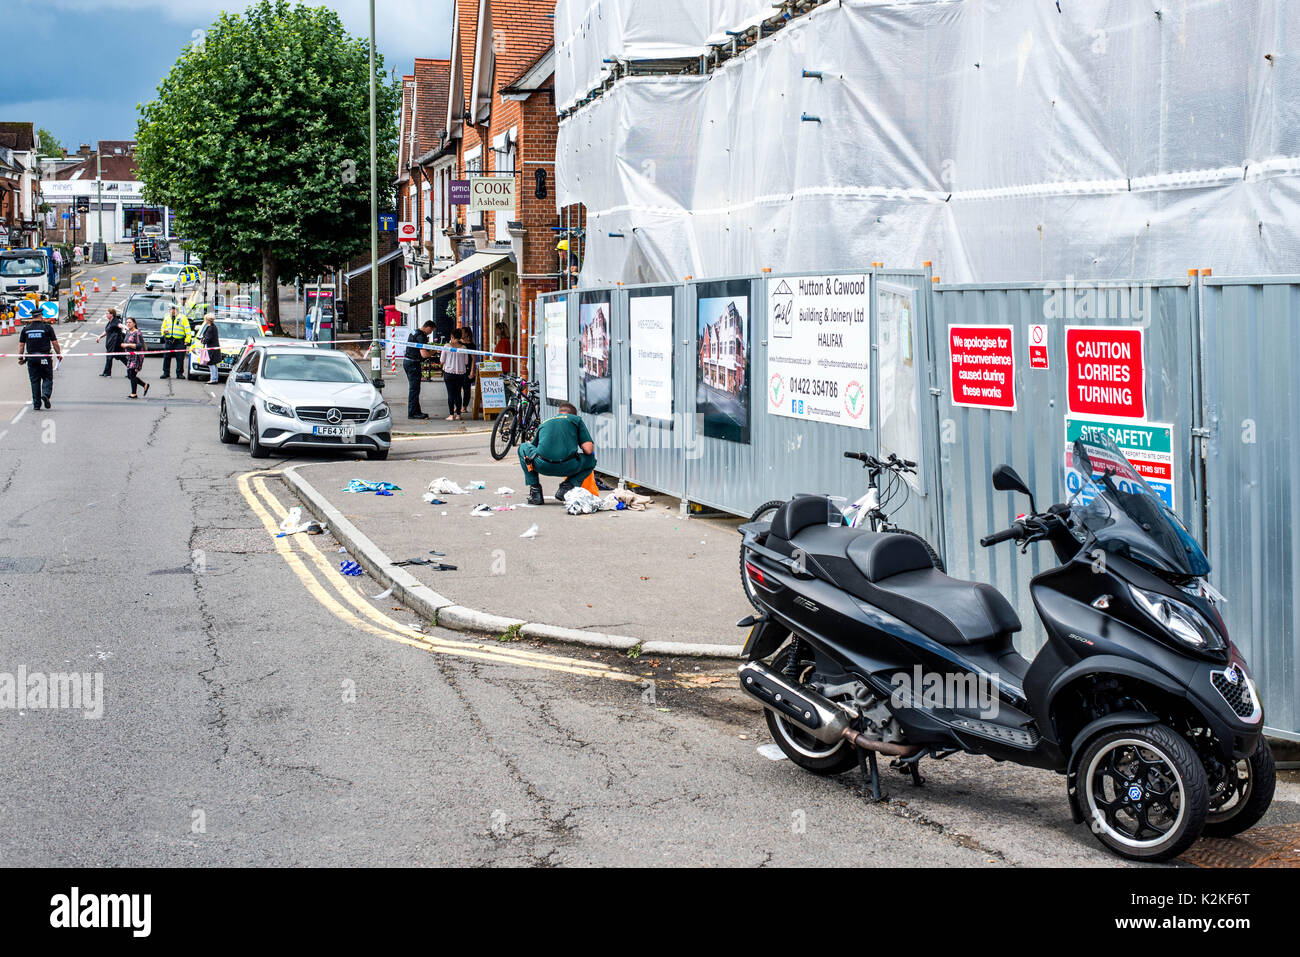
column 863, row 648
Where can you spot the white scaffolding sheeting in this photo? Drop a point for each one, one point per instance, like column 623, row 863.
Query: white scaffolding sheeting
column 1002, row 140
column 587, row 32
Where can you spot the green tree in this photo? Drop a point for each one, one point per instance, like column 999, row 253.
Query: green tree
column 259, row 141
column 47, row 145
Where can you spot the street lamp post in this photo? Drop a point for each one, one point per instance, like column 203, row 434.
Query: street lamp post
column 99, row 252
column 376, row 349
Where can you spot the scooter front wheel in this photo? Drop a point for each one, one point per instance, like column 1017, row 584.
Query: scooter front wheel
column 1143, row 792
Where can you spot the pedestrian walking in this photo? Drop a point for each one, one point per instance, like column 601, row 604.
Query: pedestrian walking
column 113, row 332
column 413, row 366
column 210, row 339
column 455, row 369
column 133, row 343
column 35, row 344
column 176, row 339
column 471, row 367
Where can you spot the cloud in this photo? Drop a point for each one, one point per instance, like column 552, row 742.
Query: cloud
column 404, row 29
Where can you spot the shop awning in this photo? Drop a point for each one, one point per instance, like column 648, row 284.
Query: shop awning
column 429, row 288
column 362, row 270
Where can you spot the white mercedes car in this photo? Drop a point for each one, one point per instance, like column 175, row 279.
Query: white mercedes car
column 282, row 397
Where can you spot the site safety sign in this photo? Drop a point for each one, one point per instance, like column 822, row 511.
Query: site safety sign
column 983, row 362
column 1149, row 447
column 1038, row 347
column 1105, row 372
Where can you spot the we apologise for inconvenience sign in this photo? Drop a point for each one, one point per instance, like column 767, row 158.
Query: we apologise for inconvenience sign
column 983, row 366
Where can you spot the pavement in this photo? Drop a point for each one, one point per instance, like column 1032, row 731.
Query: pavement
column 260, row 708
column 614, row 579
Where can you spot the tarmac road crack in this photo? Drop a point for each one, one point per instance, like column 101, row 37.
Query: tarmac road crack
column 558, row 825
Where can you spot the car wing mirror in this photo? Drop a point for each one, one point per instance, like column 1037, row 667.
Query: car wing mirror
column 243, row 377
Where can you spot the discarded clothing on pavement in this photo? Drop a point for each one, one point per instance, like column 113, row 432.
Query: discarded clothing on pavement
column 631, row 499
column 445, row 486
column 356, row 485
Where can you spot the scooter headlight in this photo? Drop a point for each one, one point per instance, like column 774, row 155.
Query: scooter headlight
column 1182, row 621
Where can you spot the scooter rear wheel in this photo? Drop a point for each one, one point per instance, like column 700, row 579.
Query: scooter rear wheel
column 1143, row 792
column 807, row 752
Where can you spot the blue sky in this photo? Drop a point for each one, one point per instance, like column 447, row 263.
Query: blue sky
column 95, row 60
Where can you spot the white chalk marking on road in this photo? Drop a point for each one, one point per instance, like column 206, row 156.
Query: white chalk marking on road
column 21, row 413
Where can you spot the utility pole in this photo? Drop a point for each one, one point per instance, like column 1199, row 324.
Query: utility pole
column 99, row 253
column 376, row 349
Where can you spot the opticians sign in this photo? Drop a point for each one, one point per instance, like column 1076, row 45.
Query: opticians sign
column 489, row 193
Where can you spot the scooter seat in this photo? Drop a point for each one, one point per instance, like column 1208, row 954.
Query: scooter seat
column 951, row 611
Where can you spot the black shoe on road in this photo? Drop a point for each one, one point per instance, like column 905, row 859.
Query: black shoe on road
column 565, row 488
column 419, row 415
column 47, row 403
column 535, row 495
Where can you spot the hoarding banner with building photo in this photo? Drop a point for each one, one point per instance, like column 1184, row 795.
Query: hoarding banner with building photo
column 819, row 348
column 650, row 312
column 556, row 317
column 722, row 359
column 595, row 385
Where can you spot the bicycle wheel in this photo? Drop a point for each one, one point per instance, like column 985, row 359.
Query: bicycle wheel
column 934, row 556
column 527, row 431
column 503, row 433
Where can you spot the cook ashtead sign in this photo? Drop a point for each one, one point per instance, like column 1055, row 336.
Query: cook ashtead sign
column 490, row 193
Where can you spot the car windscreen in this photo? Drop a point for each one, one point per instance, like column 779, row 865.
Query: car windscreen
column 148, row 310
column 238, row 330
column 311, row 367
column 169, row 270
column 22, row 266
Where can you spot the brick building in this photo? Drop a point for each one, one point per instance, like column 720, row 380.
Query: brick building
column 500, row 124
column 20, row 185
column 125, row 213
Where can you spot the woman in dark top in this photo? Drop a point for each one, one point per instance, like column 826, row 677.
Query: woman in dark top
column 210, row 336
column 133, row 343
column 113, row 331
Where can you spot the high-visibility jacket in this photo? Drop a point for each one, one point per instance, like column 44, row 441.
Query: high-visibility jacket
column 176, row 327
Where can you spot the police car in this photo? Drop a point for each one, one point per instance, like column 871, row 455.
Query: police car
column 236, row 336
column 172, row 277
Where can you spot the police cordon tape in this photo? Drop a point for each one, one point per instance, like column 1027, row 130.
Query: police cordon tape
column 158, row 352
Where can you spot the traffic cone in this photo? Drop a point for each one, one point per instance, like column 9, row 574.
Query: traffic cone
column 97, row 284
column 114, row 289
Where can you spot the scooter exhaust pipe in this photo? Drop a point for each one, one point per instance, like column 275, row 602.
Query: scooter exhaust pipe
column 819, row 716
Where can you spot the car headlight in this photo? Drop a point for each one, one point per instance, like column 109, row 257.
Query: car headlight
column 1182, row 621
column 275, row 407
column 380, row 411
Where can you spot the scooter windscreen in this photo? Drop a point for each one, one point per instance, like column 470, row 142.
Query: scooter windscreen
column 1125, row 515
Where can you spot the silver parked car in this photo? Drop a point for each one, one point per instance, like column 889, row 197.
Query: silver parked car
column 282, row 397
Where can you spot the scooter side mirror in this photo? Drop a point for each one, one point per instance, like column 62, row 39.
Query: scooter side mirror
column 1007, row 479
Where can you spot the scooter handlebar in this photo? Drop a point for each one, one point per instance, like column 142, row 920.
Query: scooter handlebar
column 1007, row 534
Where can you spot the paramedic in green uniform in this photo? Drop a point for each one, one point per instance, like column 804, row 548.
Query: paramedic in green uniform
column 564, row 447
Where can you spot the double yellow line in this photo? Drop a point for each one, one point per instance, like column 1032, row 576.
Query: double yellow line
column 342, row 599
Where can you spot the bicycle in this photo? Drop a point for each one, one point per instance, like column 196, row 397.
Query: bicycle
column 519, row 420
column 869, row 511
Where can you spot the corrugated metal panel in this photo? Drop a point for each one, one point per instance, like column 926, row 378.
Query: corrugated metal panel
column 1252, row 354
column 972, row 442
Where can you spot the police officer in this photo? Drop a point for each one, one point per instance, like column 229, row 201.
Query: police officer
column 412, row 365
column 35, row 343
column 564, row 447
column 176, row 339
